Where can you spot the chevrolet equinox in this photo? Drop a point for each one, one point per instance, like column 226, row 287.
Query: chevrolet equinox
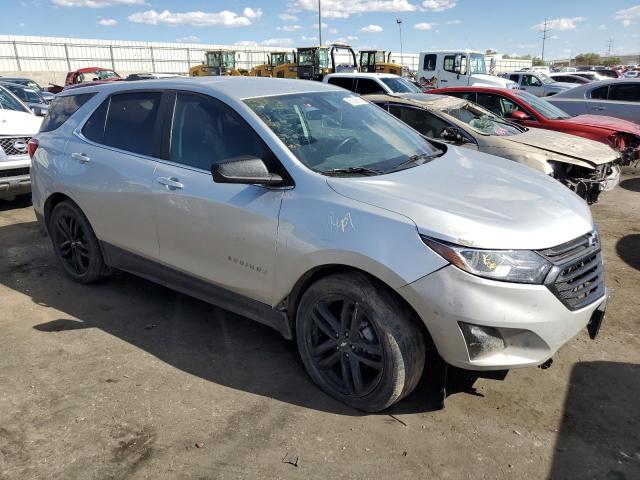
column 306, row 208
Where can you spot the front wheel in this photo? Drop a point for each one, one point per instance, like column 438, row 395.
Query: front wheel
column 358, row 342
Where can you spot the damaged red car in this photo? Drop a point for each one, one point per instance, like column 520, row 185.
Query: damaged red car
column 531, row 111
column 86, row 76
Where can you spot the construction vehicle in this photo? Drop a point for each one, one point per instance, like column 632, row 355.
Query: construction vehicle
column 378, row 61
column 279, row 65
column 316, row 62
column 217, row 62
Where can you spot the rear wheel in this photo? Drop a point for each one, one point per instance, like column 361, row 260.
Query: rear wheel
column 358, row 342
column 75, row 244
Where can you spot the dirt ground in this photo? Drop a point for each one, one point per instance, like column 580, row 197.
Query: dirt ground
column 127, row 379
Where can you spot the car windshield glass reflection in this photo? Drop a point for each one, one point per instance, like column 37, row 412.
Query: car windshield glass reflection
column 400, row 85
column 338, row 131
column 482, row 120
column 544, row 108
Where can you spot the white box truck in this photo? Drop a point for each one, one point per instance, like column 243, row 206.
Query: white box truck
column 456, row 68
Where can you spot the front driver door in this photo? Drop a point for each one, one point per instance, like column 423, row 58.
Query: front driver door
column 223, row 234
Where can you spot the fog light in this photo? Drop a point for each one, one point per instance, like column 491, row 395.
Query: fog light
column 481, row 341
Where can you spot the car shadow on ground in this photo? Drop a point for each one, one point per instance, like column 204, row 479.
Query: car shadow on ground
column 628, row 248
column 599, row 435
column 632, row 184
column 21, row 201
column 187, row 333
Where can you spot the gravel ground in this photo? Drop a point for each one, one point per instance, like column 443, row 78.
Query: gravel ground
column 127, row 379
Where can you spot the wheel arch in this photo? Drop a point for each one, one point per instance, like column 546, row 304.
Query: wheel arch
column 53, row 200
column 291, row 302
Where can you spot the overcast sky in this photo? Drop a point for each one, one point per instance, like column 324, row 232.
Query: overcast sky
column 507, row 26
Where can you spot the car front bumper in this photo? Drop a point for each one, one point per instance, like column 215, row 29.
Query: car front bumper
column 531, row 320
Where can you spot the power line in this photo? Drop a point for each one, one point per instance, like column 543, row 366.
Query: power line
column 609, row 47
column 545, row 31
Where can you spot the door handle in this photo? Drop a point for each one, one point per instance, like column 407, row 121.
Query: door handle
column 171, row 183
column 444, row 81
column 81, row 157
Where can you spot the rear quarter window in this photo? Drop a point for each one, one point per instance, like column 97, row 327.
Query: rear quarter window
column 61, row 110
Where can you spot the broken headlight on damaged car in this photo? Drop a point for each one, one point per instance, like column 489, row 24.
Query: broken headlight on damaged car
column 517, row 266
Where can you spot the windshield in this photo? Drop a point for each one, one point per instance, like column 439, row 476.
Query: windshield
column 105, row 74
column 338, row 130
column 305, row 57
column 482, row 120
column 544, row 108
column 9, row 102
column 476, row 63
column 380, row 57
column 400, row 85
column 323, row 58
column 229, row 59
column 25, row 94
column 545, row 79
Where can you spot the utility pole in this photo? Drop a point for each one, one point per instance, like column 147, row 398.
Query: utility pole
column 320, row 22
column 609, row 47
column 545, row 31
column 399, row 22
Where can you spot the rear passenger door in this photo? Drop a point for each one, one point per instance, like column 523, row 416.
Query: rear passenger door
column 368, row 86
column 222, row 234
column 344, row 82
column 111, row 159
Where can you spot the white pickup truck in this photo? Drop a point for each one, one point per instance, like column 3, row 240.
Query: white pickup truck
column 457, row 68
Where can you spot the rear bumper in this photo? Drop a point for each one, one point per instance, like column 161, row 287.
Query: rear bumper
column 529, row 319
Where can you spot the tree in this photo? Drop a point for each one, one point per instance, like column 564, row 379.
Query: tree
column 537, row 62
column 490, row 52
column 611, row 61
column 588, row 59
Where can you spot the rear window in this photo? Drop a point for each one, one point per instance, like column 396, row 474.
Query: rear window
column 344, row 82
column 131, row 122
column 62, row 108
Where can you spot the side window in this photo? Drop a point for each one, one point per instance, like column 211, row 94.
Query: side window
column 491, row 102
column 131, row 122
column 626, row 92
column 429, row 62
column 514, row 78
column 61, row 109
column 448, row 63
column 421, row 120
column 366, row 86
column 534, row 81
column 205, row 131
column 600, row 93
column 471, row 96
column 94, row 127
column 344, row 82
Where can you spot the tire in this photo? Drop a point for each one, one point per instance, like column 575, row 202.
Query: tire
column 385, row 361
column 75, row 244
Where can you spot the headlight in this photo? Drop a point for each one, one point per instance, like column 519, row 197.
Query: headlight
column 518, row 266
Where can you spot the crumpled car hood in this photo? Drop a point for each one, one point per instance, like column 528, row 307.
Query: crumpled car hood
column 566, row 145
column 604, row 121
column 470, row 198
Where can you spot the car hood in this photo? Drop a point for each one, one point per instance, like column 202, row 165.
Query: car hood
column 473, row 199
column 612, row 123
column 480, row 79
column 13, row 122
column 566, row 145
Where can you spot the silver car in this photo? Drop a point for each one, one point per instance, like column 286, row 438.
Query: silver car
column 309, row 209
column 615, row 98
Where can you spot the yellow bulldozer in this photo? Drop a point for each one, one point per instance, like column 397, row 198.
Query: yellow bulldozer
column 279, row 65
column 378, row 61
column 316, row 62
column 217, row 63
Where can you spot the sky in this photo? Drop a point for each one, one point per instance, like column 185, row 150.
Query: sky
column 510, row 27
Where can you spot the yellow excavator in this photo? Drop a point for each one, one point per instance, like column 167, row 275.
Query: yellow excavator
column 280, row 65
column 217, row 63
column 316, row 62
column 378, row 61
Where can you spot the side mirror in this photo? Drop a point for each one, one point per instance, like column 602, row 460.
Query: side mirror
column 246, row 170
column 452, row 134
column 519, row 116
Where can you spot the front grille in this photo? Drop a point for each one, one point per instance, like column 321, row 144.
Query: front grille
column 577, row 278
column 14, row 172
column 8, row 145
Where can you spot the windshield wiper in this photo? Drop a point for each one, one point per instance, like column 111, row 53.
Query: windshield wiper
column 419, row 159
column 353, row 170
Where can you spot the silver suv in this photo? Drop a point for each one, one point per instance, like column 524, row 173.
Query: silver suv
column 311, row 210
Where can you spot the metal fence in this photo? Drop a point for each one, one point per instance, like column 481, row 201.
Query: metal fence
column 52, row 54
